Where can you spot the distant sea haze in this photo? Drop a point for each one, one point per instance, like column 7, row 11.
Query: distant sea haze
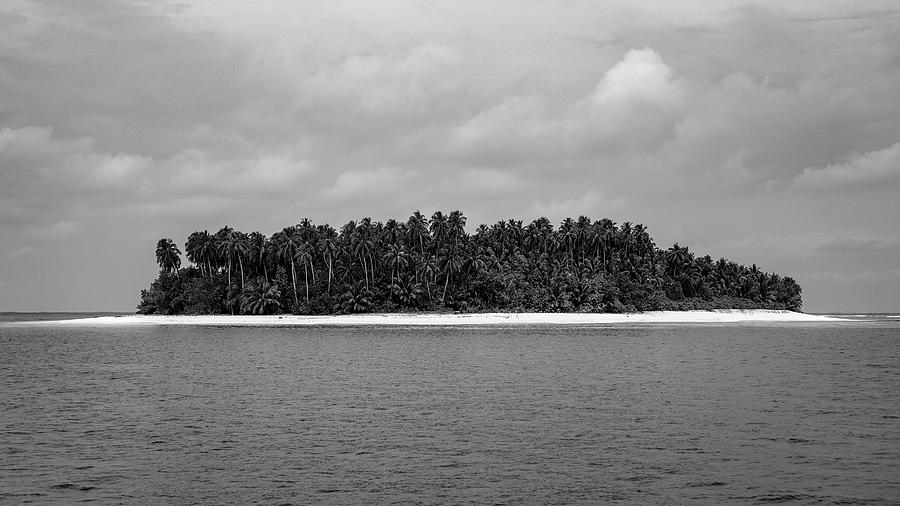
column 51, row 316
column 654, row 413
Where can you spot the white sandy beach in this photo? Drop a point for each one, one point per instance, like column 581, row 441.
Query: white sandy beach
column 718, row 316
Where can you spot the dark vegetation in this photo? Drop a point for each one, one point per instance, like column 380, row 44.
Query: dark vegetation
column 434, row 265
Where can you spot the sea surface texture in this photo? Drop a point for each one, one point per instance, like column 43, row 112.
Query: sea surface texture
column 787, row 413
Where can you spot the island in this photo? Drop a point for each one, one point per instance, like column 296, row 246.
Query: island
column 433, row 266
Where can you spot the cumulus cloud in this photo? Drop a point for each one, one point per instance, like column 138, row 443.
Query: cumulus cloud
column 193, row 171
column 634, row 106
column 35, row 158
column 516, row 129
column 640, row 78
column 406, row 84
column 872, row 168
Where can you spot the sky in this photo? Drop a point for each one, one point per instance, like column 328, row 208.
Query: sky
column 766, row 132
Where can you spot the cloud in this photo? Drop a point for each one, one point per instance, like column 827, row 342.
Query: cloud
column 350, row 186
column 877, row 167
column 118, row 170
column 592, row 204
column 854, row 245
column 58, row 231
column 20, row 252
column 868, row 276
column 709, row 124
column 66, row 164
column 410, row 87
column 196, row 171
column 633, row 107
column 640, row 78
column 203, row 209
column 488, row 182
column 516, row 129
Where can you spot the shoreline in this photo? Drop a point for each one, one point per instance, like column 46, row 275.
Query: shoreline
column 450, row 319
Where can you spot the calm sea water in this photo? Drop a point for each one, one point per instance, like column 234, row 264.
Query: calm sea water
column 808, row 414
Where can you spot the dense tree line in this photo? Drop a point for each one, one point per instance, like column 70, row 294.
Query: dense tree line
column 434, row 264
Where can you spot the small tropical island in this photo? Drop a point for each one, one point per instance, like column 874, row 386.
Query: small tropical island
column 434, row 265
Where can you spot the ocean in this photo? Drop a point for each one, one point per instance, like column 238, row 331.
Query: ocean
column 733, row 413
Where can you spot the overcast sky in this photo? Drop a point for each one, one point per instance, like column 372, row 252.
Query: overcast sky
column 766, row 132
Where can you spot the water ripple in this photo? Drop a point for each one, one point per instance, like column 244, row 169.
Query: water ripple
column 522, row 415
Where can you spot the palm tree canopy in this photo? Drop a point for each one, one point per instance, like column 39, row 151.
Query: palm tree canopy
column 365, row 265
column 168, row 256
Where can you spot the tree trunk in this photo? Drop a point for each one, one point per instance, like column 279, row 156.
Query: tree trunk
column 365, row 271
column 241, row 263
column 329, row 274
column 446, row 282
column 294, row 276
column 306, row 281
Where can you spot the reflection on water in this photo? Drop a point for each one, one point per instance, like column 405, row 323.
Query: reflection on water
column 557, row 415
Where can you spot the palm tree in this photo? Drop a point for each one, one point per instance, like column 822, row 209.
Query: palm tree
column 643, row 243
column 603, row 233
column 450, row 264
column 676, row 258
column 330, row 247
column 439, row 230
column 258, row 252
column 765, row 284
column 397, row 259
column 200, row 249
column 626, row 239
column 357, row 299
column 568, row 236
column 475, row 260
column 310, row 235
column 304, row 255
column 514, row 235
column 393, row 232
column 261, row 298
column 429, row 269
column 191, row 249
column 209, row 251
column 286, row 246
column 417, row 231
column 456, row 227
column 234, row 244
column 407, row 291
column 364, row 247
column 168, row 256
